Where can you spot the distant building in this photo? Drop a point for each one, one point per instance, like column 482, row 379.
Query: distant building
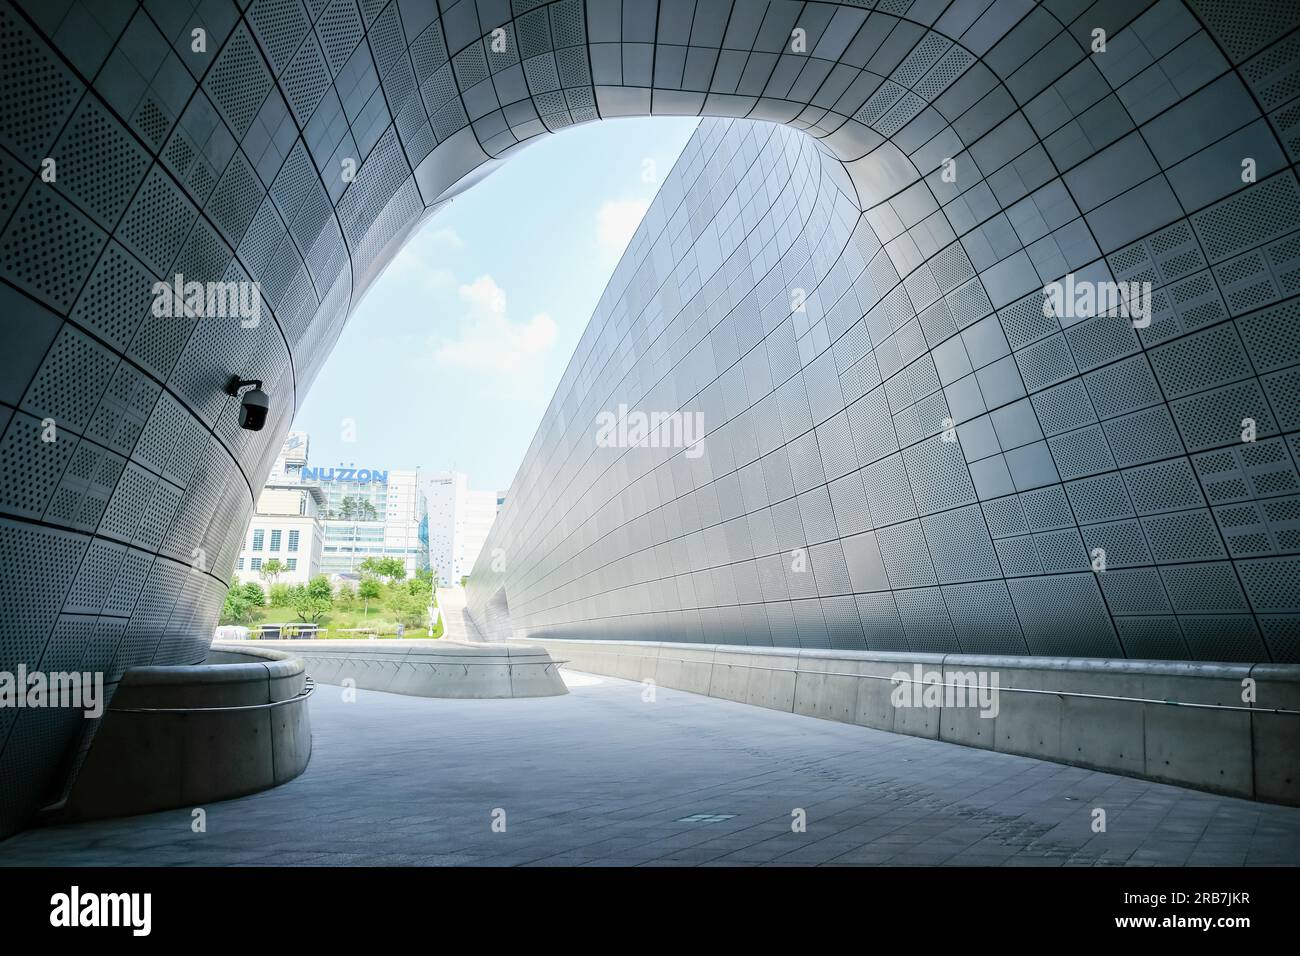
column 426, row 520
column 353, row 514
column 459, row 520
column 369, row 513
column 293, row 456
column 287, row 527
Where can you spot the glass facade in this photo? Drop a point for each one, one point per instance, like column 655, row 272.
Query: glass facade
column 375, row 518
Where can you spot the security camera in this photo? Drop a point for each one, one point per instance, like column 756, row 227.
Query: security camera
column 253, row 404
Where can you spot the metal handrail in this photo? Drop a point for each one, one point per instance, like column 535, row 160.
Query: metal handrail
column 309, row 688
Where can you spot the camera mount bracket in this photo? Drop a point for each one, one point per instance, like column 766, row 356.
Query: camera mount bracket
column 236, row 383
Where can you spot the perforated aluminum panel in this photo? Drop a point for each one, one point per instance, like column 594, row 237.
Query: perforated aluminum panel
column 1078, row 440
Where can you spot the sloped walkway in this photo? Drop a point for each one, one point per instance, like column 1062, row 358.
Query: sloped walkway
column 602, row 776
column 455, row 618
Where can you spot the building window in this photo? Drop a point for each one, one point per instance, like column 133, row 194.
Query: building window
column 256, row 564
column 291, row 563
column 275, row 540
column 293, row 540
column 258, row 536
column 239, row 564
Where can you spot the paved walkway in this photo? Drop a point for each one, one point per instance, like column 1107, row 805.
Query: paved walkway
column 456, row 622
column 602, row 777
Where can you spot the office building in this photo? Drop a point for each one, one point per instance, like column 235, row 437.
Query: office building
column 369, row 513
column 286, row 527
column 459, row 520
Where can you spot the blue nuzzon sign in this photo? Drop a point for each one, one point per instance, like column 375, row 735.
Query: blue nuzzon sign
column 362, row 475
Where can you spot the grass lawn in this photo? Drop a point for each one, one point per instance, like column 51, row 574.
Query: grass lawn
column 380, row 619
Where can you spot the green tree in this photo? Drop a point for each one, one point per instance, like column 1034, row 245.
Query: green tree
column 279, row 595
column 409, row 601
column 236, row 609
column 391, row 569
column 356, row 508
column 272, row 569
column 345, row 596
column 312, row 600
column 368, row 590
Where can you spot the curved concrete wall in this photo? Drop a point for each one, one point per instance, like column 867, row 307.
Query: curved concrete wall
column 185, row 736
column 420, row 668
column 1182, row 723
column 217, row 142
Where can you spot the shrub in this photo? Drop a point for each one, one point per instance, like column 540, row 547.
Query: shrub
column 409, row 601
column 236, row 609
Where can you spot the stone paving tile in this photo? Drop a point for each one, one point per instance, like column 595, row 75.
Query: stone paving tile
column 602, row 778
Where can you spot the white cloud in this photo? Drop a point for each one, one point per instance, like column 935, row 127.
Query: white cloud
column 418, row 264
column 488, row 340
column 414, row 268
column 484, row 297
column 617, row 221
column 447, row 238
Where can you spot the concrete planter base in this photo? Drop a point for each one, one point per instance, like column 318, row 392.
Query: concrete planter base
column 185, row 736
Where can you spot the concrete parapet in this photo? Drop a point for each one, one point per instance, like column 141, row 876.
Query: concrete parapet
column 419, row 667
column 1228, row 728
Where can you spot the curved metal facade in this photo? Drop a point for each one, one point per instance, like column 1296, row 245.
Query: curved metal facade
column 297, row 143
column 911, row 453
